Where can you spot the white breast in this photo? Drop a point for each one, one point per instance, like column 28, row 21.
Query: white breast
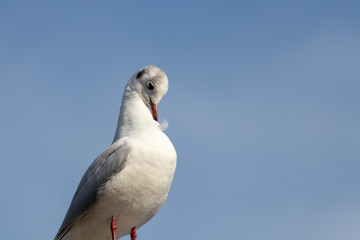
column 140, row 189
column 136, row 193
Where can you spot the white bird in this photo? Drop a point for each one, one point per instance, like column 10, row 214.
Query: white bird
column 128, row 183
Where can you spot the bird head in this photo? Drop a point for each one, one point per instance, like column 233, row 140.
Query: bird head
column 151, row 84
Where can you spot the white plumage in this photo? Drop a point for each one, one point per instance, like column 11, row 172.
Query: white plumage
column 131, row 179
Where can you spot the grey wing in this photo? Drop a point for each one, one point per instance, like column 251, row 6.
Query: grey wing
column 110, row 162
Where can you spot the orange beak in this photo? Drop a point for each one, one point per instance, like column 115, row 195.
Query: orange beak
column 154, row 110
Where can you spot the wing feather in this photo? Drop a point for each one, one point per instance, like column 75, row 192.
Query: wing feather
column 106, row 165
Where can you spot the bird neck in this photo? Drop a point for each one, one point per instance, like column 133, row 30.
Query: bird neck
column 134, row 118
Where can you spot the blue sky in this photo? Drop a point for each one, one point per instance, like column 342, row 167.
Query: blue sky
column 263, row 109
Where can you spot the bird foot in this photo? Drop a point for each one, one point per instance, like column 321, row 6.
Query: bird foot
column 133, row 234
column 113, row 228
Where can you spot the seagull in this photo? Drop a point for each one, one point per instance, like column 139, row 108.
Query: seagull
column 128, row 183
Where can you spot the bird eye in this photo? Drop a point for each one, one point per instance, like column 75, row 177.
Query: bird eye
column 150, row 85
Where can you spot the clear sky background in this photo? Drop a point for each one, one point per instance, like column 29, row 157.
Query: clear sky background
column 263, row 109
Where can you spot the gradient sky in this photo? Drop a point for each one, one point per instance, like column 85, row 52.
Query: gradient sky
column 263, row 110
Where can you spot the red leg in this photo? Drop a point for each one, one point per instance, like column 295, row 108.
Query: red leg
column 133, row 234
column 113, row 228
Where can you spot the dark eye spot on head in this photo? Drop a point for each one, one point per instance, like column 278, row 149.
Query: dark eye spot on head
column 139, row 75
column 150, row 85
